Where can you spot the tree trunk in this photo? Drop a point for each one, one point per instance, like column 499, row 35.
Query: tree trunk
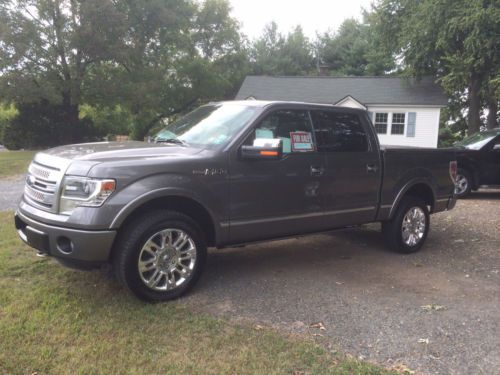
column 474, row 121
column 70, row 114
column 492, row 103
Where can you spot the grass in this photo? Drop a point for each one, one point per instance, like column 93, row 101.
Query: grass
column 55, row 321
column 14, row 162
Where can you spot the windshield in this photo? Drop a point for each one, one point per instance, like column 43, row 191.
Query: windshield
column 476, row 141
column 208, row 126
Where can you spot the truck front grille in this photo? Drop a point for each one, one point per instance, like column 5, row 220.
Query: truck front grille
column 42, row 185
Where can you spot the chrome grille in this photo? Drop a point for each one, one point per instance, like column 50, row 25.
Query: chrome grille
column 42, row 184
column 38, row 197
column 39, row 172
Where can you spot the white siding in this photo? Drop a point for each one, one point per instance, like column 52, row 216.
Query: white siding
column 351, row 103
column 426, row 129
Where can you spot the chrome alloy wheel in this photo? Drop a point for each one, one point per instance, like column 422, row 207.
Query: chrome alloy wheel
column 413, row 226
column 461, row 184
column 167, row 259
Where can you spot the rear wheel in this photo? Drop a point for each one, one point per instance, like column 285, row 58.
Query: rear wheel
column 160, row 255
column 408, row 230
column 463, row 183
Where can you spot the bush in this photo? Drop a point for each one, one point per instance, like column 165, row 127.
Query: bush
column 7, row 114
column 42, row 125
column 108, row 120
column 447, row 137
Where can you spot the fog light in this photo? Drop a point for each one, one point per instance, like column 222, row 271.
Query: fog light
column 64, row 245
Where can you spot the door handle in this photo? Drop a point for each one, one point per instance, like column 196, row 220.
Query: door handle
column 317, row 171
column 371, row 168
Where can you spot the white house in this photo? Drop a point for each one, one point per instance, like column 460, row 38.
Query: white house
column 403, row 111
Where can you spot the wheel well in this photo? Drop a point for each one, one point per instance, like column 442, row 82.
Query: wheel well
column 422, row 191
column 183, row 205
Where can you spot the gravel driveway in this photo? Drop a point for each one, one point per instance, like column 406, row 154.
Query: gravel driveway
column 11, row 189
column 374, row 303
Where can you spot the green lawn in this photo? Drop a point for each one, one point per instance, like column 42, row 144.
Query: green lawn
column 54, row 321
column 14, row 162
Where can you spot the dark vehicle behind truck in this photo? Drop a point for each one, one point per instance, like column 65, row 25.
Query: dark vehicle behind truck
column 226, row 174
column 478, row 160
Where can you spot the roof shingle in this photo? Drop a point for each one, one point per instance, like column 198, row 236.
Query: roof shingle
column 382, row 90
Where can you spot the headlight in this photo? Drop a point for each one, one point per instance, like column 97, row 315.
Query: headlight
column 82, row 191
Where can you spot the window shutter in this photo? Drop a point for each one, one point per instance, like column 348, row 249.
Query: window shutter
column 370, row 115
column 412, row 123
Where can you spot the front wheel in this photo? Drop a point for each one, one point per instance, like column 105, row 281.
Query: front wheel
column 407, row 231
column 160, row 255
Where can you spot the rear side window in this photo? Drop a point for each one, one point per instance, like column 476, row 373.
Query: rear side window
column 339, row 132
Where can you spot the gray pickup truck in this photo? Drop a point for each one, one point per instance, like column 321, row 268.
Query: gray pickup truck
column 226, row 174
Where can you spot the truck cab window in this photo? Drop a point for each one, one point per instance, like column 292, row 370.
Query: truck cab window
column 292, row 127
column 339, row 132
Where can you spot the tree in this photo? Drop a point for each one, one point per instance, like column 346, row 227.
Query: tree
column 47, row 48
column 154, row 58
column 180, row 54
column 454, row 40
column 492, row 99
column 353, row 51
column 276, row 54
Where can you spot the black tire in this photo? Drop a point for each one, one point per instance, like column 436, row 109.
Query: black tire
column 463, row 183
column 393, row 229
column 133, row 238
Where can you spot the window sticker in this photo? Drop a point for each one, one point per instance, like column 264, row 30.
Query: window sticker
column 301, row 142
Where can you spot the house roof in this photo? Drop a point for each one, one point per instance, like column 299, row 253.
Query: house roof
column 367, row 90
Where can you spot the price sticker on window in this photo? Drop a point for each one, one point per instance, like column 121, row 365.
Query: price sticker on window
column 301, row 142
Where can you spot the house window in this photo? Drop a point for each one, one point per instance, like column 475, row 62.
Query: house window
column 381, row 123
column 398, row 123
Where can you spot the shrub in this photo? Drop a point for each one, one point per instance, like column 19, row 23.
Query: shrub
column 43, row 125
column 108, row 120
column 7, row 114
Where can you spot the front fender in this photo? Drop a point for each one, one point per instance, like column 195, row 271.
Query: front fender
column 150, row 196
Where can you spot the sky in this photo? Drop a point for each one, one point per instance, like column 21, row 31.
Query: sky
column 312, row 15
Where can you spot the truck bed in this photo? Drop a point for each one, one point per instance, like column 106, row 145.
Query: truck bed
column 406, row 165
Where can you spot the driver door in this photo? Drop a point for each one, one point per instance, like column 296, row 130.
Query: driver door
column 278, row 197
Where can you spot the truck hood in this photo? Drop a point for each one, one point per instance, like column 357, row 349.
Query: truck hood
column 78, row 159
column 115, row 151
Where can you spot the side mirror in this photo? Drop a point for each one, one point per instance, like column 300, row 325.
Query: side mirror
column 263, row 149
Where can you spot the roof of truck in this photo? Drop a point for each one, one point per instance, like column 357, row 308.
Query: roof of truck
column 266, row 103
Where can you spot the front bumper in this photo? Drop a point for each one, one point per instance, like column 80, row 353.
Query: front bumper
column 70, row 246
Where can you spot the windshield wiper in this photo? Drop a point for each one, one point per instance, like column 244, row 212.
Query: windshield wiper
column 175, row 141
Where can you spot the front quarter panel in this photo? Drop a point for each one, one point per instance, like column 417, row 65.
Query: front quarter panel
column 208, row 192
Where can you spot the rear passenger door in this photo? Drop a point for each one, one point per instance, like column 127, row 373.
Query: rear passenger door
column 351, row 182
